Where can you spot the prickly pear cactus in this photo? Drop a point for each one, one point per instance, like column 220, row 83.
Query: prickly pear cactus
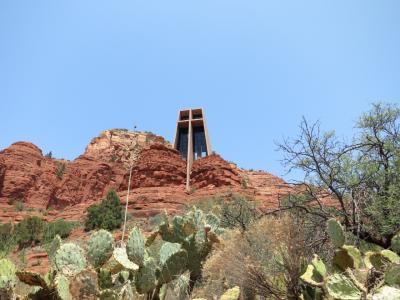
column 135, row 247
column 109, row 295
column 61, row 285
column 335, row 232
column 84, row 285
column 375, row 260
column 387, row 293
column 315, row 273
column 100, row 247
column 7, row 279
column 231, row 294
column 119, row 261
column 341, row 287
column 32, row 278
column 395, row 243
column 54, row 246
column 146, row 277
column 391, row 256
column 392, row 275
column 173, row 260
column 70, row 259
column 105, row 279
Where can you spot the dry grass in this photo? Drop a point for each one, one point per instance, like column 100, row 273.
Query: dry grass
column 267, row 260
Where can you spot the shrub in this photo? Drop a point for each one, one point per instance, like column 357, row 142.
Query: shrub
column 59, row 227
column 29, row 231
column 239, row 212
column 106, row 215
column 7, row 239
column 19, row 206
column 60, row 170
column 265, row 260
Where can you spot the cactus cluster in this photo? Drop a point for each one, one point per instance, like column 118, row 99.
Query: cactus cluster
column 153, row 267
column 7, row 279
column 352, row 274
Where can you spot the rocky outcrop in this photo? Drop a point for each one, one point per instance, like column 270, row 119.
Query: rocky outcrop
column 157, row 182
column 158, row 165
column 121, row 145
column 214, row 171
column 40, row 182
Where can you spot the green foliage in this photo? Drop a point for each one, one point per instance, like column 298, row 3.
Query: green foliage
column 106, row 215
column 29, row 231
column 335, row 232
column 60, row 170
column 100, row 247
column 58, row 227
column 231, row 294
column 361, row 177
column 135, row 247
column 117, row 275
column 32, row 231
column 7, row 239
column 7, row 279
column 19, row 206
column 238, row 212
column 70, row 259
column 353, row 275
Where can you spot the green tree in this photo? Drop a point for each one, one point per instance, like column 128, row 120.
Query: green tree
column 106, row 215
column 361, row 176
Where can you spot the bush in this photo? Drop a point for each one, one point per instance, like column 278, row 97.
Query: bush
column 7, row 239
column 266, row 260
column 60, row 170
column 19, row 206
column 29, row 231
column 239, row 212
column 106, row 215
column 61, row 227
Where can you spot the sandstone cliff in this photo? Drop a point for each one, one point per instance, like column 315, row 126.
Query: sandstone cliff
column 158, row 177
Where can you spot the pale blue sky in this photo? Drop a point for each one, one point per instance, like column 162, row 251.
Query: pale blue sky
column 70, row 69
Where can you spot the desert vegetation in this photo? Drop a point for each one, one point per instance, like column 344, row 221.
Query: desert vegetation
column 337, row 236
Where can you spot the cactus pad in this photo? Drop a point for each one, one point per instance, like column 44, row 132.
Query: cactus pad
column 109, row 295
column 342, row 259
column 312, row 276
column 173, row 260
column 135, row 247
column 121, row 257
column 7, row 274
column 231, row 294
column 335, row 232
column 100, row 247
column 54, row 246
column 395, row 243
column 70, row 259
column 105, row 279
column 375, row 260
column 32, row 278
column 339, row 286
column 84, row 285
column 391, row 256
column 146, row 278
column 387, row 293
column 61, row 285
column 392, row 274
column 212, row 220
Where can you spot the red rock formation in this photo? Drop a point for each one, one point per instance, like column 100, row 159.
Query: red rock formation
column 158, row 178
column 213, row 171
column 158, row 165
